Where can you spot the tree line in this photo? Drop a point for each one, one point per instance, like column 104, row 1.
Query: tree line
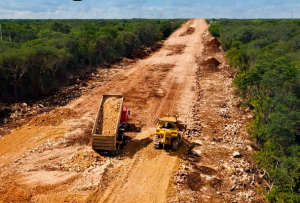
column 38, row 56
column 266, row 55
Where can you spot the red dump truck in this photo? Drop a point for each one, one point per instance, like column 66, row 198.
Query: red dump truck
column 110, row 124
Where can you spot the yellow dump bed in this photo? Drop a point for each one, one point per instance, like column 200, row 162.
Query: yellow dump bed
column 106, row 126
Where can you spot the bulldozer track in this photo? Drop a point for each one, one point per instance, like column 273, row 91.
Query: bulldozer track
column 168, row 102
column 176, row 95
column 156, row 142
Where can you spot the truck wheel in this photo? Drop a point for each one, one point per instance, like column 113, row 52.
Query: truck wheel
column 156, row 142
column 115, row 152
column 175, row 144
column 121, row 135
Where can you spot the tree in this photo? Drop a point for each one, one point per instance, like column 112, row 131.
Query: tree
column 55, row 59
column 265, row 53
column 129, row 40
column 17, row 61
column 105, row 47
column 60, row 27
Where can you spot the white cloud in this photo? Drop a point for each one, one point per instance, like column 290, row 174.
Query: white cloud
column 59, row 9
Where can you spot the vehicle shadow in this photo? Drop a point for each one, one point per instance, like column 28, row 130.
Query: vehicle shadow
column 182, row 149
column 131, row 146
column 132, row 128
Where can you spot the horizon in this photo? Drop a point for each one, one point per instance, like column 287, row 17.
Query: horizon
column 155, row 9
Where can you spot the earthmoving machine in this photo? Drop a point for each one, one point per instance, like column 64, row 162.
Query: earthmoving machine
column 110, row 124
column 168, row 132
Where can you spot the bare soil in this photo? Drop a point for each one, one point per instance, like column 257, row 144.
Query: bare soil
column 188, row 31
column 51, row 160
column 176, row 49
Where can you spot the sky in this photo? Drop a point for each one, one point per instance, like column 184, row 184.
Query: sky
column 120, row 9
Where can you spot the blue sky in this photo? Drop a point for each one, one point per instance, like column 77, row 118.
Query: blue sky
column 61, row 9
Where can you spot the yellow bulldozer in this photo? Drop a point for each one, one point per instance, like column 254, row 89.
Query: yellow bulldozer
column 168, row 132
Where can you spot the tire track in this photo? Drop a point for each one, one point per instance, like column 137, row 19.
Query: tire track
column 167, row 105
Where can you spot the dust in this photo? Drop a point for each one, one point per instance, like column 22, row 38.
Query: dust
column 109, row 116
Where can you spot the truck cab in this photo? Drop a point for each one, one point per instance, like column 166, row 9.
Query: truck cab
column 124, row 115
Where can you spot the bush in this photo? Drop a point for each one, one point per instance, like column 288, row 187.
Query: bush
column 265, row 53
column 215, row 29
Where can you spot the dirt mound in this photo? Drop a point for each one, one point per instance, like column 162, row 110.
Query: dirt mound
column 78, row 162
column 212, row 42
column 189, row 31
column 211, row 64
column 194, row 181
column 140, row 54
column 211, row 61
column 176, row 49
column 212, row 46
column 110, row 113
column 54, row 118
column 144, row 51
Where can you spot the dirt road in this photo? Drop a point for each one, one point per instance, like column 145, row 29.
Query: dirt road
column 50, row 159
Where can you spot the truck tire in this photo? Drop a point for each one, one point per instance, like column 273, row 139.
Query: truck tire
column 175, row 144
column 121, row 135
column 114, row 153
column 156, row 142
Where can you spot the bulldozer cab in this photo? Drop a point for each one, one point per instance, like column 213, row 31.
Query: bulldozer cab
column 171, row 123
column 168, row 125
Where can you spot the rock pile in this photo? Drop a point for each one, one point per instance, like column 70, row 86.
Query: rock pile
column 217, row 159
